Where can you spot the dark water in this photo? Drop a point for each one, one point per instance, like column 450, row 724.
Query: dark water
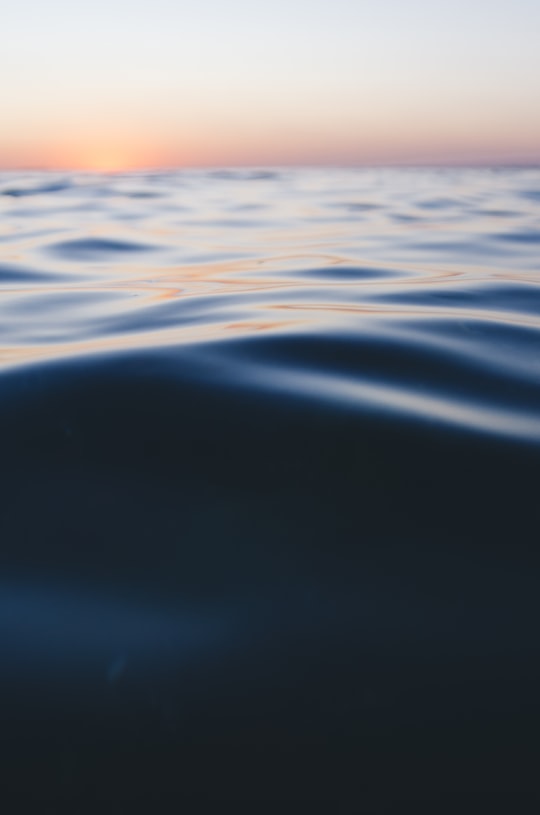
column 270, row 473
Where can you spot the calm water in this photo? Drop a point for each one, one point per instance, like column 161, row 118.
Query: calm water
column 270, row 466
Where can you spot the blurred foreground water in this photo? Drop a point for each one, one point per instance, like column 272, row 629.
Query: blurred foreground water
column 269, row 486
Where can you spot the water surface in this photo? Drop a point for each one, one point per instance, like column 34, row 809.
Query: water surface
column 270, row 455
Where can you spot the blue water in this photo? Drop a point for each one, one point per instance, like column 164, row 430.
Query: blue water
column 270, row 462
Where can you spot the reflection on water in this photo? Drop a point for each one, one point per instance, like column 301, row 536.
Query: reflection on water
column 400, row 273
column 270, row 461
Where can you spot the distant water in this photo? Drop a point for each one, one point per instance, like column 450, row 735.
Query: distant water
column 270, row 485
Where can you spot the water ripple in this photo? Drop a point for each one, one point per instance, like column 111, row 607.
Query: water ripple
column 270, row 460
column 216, row 277
column 87, row 249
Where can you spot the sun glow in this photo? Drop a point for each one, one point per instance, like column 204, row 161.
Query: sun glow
column 106, row 161
column 103, row 156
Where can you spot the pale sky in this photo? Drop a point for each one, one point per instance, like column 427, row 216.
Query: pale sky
column 119, row 83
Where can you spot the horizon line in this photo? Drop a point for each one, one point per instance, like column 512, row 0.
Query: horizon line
column 529, row 164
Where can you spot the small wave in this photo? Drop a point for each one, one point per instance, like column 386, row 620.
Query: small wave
column 439, row 203
column 96, row 248
column 530, row 236
column 13, row 274
column 43, row 189
column 531, row 195
column 344, row 272
column 489, row 297
column 244, row 175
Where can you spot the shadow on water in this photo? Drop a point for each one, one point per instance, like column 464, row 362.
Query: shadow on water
column 280, row 573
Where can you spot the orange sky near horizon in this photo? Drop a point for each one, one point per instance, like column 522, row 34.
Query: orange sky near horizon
column 117, row 86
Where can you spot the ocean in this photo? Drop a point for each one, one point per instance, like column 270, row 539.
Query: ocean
column 270, row 457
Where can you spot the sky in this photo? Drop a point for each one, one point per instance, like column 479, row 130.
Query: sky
column 119, row 84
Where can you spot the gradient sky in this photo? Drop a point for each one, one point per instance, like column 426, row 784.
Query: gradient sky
column 119, row 83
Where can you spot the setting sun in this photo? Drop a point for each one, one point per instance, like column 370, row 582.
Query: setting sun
column 103, row 157
column 107, row 161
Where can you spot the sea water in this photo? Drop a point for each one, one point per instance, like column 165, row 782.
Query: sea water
column 270, row 449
